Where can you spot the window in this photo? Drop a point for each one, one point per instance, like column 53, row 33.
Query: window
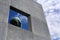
column 19, row 18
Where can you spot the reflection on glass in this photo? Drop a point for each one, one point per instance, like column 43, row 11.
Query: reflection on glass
column 18, row 19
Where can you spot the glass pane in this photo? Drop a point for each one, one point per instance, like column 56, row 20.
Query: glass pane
column 17, row 19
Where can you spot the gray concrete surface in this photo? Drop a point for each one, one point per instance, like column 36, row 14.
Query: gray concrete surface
column 3, row 30
column 15, row 33
column 39, row 26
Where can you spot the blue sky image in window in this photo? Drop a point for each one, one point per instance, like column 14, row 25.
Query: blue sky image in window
column 22, row 18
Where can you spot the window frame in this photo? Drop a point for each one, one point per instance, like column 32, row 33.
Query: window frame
column 25, row 14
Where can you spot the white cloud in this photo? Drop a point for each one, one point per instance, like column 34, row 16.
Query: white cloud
column 53, row 21
column 52, row 12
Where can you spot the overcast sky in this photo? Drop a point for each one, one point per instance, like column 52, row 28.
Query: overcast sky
column 52, row 13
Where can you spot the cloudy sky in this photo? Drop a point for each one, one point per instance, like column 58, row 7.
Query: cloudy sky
column 52, row 13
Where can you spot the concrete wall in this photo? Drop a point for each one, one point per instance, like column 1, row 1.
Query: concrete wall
column 15, row 33
column 39, row 25
column 4, row 10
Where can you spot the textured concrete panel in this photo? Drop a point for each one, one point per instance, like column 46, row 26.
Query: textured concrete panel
column 39, row 26
column 3, row 30
column 4, row 11
column 5, row 1
column 11, row 32
column 16, row 33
